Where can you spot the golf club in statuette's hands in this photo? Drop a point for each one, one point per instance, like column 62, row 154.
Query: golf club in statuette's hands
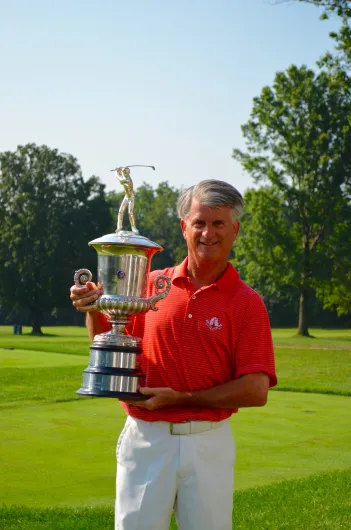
column 124, row 259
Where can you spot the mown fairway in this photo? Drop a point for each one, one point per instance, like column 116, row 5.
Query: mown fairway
column 58, row 449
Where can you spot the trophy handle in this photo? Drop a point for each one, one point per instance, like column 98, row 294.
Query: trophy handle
column 160, row 282
column 81, row 277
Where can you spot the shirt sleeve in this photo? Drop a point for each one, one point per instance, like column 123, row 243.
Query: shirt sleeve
column 254, row 349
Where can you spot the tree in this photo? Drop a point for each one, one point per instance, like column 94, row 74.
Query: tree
column 265, row 250
column 299, row 143
column 156, row 218
column 48, row 214
column 341, row 8
column 335, row 290
column 342, row 37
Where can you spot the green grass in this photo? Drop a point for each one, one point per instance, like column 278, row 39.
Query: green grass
column 24, row 518
column 60, row 339
column 320, row 502
column 38, row 359
column 321, row 338
column 295, row 435
column 60, row 453
column 69, row 339
column 313, row 370
column 40, row 384
column 299, row 369
column 57, row 449
column 64, row 453
column 38, row 376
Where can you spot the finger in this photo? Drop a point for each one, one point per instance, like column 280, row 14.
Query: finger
column 78, row 291
column 88, row 287
column 85, row 309
column 91, row 286
column 84, row 295
column 82, row 304
column 140, row 404
column 150, row 391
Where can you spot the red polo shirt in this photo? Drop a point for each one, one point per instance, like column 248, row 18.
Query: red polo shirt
column 201, row 338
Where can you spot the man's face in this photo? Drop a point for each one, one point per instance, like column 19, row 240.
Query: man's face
column 209, row 232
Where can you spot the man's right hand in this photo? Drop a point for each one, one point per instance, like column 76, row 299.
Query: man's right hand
column 82, row 297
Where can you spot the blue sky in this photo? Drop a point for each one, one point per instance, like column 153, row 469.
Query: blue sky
column 147, row 81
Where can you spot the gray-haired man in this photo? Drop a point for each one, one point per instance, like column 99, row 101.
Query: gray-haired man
column 206, row 353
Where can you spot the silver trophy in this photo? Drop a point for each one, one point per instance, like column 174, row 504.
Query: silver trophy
column 124, row 259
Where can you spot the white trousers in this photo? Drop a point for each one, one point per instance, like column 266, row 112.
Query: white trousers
column 158, row 472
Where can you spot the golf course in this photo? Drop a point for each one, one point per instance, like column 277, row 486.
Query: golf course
column 58, row 462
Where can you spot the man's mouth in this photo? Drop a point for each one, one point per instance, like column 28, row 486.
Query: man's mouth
column 208, row 244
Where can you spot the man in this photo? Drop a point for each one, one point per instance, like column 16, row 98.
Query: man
column 206, row 352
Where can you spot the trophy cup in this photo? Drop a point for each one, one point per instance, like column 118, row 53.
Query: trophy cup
column 124, row 259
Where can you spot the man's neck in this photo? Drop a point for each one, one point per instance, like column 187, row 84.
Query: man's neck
column 205, row 273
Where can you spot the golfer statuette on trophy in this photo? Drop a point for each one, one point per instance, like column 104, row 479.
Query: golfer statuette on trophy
column 124, row 259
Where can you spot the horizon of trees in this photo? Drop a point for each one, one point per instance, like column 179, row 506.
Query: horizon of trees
column 49, row 214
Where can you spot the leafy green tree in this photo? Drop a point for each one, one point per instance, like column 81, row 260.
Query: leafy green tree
column 299, row 144
column 156, row 218
column 48, row 214
column 334, row 290
column 342, row 37
column 265, row 250
column 341, row 8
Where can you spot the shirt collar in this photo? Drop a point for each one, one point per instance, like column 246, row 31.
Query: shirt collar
column 229, row 278
column 226, row 282
column 180, row 271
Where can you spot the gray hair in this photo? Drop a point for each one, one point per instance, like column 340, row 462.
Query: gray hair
column 212, row 193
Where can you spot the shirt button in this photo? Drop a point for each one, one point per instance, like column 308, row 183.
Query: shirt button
column 193, row 297
column 190, row 315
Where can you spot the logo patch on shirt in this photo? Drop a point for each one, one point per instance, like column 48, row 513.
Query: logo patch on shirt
column 213, row 324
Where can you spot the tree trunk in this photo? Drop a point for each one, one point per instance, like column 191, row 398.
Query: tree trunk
column 304, row 291
column 36, row 324
column 303, row 313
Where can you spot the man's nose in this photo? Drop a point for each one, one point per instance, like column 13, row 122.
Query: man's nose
column 208, row 231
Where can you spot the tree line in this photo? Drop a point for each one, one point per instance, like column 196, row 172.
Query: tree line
column 297, row 231
column 295, row 240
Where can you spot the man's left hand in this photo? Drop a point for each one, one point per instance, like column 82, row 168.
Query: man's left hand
column 159, row 398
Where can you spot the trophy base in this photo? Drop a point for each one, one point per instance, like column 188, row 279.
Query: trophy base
column 112, row 382
column 118, row 395
column 114, row 369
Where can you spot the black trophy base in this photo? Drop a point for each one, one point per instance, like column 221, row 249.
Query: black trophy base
column 118, row 395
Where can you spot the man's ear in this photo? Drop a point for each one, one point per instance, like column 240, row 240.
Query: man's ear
column 236, row 228
column 183, row 227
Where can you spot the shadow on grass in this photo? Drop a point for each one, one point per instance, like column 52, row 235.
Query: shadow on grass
column 39, row 335
column 341, row 337
column 306, row 390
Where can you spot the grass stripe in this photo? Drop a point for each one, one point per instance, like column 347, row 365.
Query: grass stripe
column 56, row 454
column 320, row 502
